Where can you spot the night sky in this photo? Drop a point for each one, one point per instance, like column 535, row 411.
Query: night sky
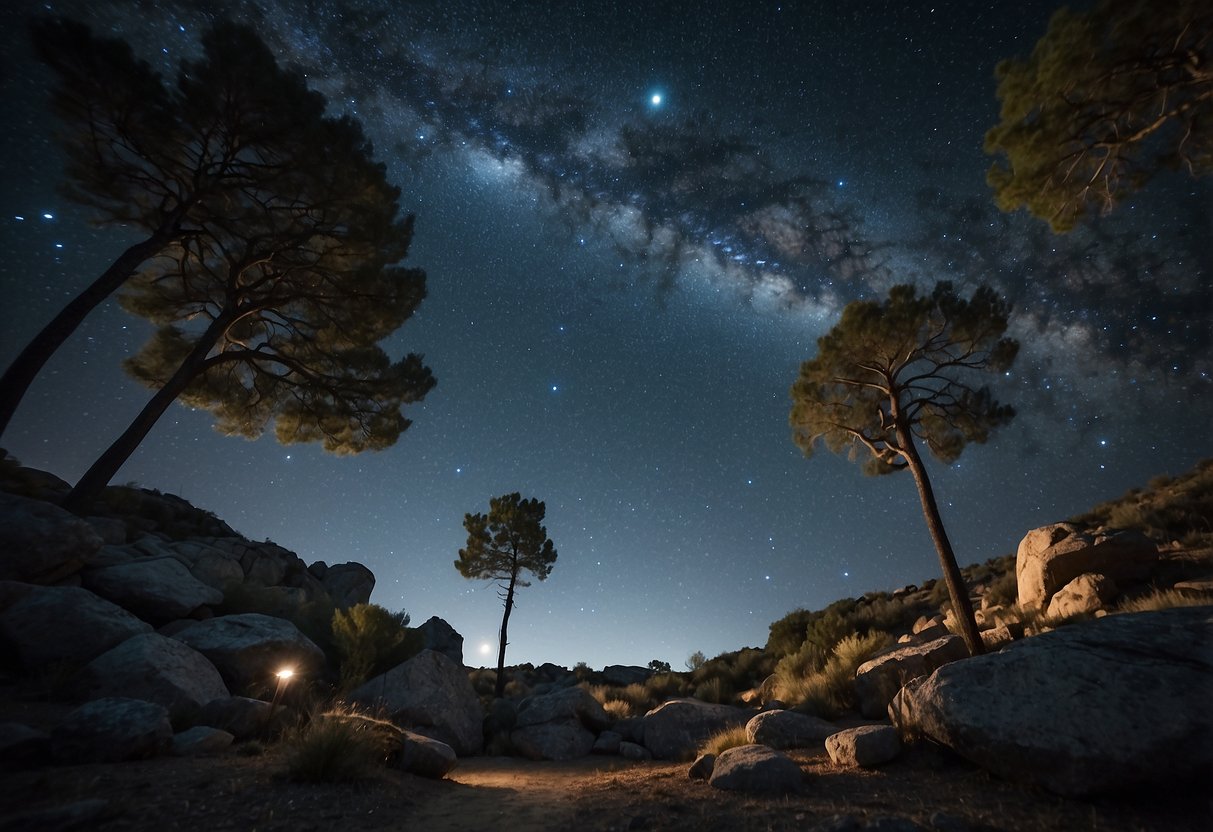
column 636, row 219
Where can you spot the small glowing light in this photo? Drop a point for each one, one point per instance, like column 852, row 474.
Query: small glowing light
column 285, row 674
column 656, row 99
column 554, row 388
column 48, row 216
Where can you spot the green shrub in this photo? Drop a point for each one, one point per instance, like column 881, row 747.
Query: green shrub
column 716, row 691
column 662, row 687
column 339, row 747
column 828, row 690
column 370, row 640
column 724, row 740
column 1003, row 590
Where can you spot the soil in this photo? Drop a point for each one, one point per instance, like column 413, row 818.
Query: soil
column 235, row 791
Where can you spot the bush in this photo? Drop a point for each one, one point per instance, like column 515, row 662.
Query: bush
column 724, row 740
column 1164, row 599
column 370, row 640
column 664, row 686
column 617, row 709
column 1003, row 590
column 339, row 747
column 829, row 690
column 716, row 691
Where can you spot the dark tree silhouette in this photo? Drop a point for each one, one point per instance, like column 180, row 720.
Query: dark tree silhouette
column 511, row 539
column 1107, row 99
column 273, row 310
column 896, row 372
column 167, row 162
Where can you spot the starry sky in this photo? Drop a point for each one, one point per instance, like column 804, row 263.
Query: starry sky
column 636, row 219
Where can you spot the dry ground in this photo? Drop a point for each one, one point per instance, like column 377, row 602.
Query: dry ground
column 234, row 792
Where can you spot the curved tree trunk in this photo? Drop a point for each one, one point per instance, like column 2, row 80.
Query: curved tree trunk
column 103, row 470
column 947, row 558
column 26, row 366
column 499, row 689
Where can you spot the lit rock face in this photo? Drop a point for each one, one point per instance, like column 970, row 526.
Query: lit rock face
column 431, row 695
column 40, row 542
column 878, row 680
column 47, row 624
column 249, row 649
column 1051, row 556
column 676, row 730
column 155, row 669
column 788, row 729
column 864, row 746
column 755, row 768
column 1088, row 708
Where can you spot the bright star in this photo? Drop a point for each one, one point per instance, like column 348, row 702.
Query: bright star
column 655, row 100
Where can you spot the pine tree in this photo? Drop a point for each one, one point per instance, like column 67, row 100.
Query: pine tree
column 510, row 540
column 894, row 373
column 1107, row 99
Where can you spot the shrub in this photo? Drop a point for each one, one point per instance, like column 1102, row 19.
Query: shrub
column 1164, row 599
column 829, row 690
column 724, row 740
column 715, row 690
column 339, row 747
column 1003, row 590
column 696, row 660
column 370, row 640
column 664, row 686
column 617, row 709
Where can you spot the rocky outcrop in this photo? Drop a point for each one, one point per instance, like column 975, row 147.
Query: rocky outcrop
column 1086, row 593
column 561, row 740
column 787, row 729
column 1088, row 708
column 430, row 694
column 351, row 583
column 864, row 745
column 878, row 680
column 112, row 730
column 155, row 669
column 755, row 768
column 558, row 726
column 675, row 730
column 1051, row 556
column 249, row 649
column 622, row 675
column 158, row 590
column 40, row 542
column 48, row 624
column 442, row 638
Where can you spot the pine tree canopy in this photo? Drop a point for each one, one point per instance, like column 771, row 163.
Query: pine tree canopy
column 908, row 362
column 509, row 540
column 1107, row 99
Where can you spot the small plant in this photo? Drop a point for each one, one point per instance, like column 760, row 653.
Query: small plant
column 715, row 690
column 1003, row 590
column 617, row 709
column 664, row 686
column 696, row 660
column 339, row 747
column 828, row 691
column 722, row 741
column 371, row 640
column 1164, row 599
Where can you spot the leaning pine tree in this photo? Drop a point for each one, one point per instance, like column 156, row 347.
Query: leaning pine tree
column 501, row 546
column 894, row 373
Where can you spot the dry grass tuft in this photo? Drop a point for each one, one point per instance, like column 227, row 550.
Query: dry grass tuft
column 724, row 740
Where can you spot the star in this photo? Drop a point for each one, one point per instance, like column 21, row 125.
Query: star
column 655, row 100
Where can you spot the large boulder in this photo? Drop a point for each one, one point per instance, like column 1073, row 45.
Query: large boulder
column 622, row 675
column 560, row 725
column 40, row 542
column 430, row 694
column 755, row 768
column 349, row 584
column 878, row 680
column 1086, row 593
column 1089, row 708
column 50, row 624
column 158, row 590
column 788, row 729
column 576, row 704
column 1051, row 556
column 201, row 739
column 425, row 757
column 560, row 740
column 155, row 669
column 246, row 718
column 676, row 729
column 440, row 636
column 112, row 730
column 864, row 745
column 248, row 649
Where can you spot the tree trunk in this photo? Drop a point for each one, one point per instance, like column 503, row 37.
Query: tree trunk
column 499, row 689
column 947, row 559
column 103, row 470
column 26, row 366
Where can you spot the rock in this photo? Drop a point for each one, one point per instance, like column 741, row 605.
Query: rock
column 426, row 757
column 931, row 633
column 48, row 624
column 701, row 769
column 217, row 569
column 755, row 768
column 561, row 740
column 878, row 680
column 634, row 752
column 349, row 584
column 432, row 695
column 864, row 746
column 607, row 743
column 1195, row 586
column 244, row 718
column 22, row 746
column 788, row 729
column 998, row 637
column 249, row 649
column 79, row 814
column 40, row 542
column 155, row 669
column 201, row 739
column 111, row 531
column 1086, row 593
column 442, row 638
column 112, row 730
column 1089, row 708
column 622, row 675
column 1051, row 556
column 676, row 729
column 631, row 729
column 924, row 623
column 155, row 589
column 574, row 703
column 263, row 564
